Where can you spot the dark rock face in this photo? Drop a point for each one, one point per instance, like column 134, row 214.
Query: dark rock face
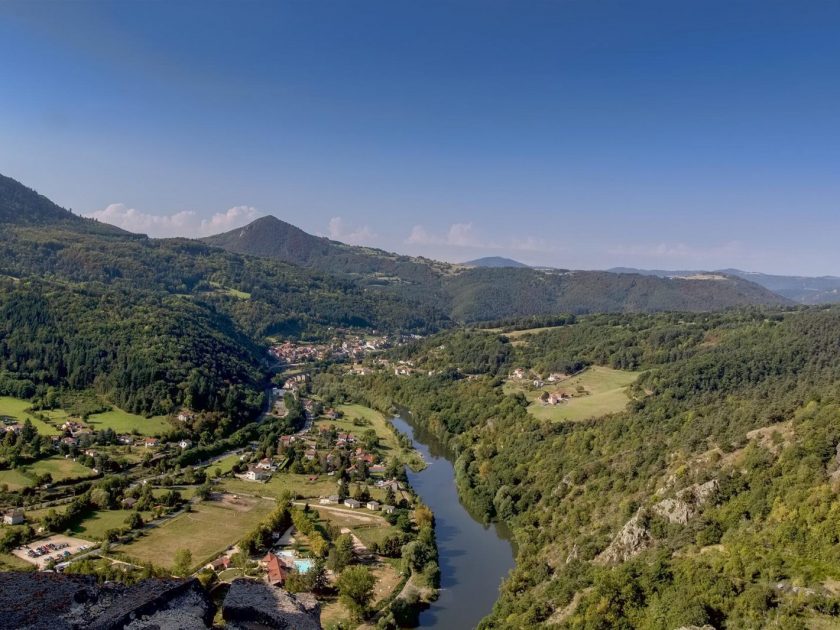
column 251, row 605
column 41, row 601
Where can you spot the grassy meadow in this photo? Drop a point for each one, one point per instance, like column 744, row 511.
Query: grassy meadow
column 16, row 408
column 604, row 392
column 124, row 422
column 58, row 467
column 206, row 531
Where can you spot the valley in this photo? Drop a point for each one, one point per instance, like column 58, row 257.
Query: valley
column 170, row 408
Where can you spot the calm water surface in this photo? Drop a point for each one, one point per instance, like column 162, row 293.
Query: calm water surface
column 473, row 558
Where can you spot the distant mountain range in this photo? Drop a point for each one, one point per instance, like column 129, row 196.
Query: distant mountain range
column 494, row 262
column 489, row 288
column 801, row 289
column 350, row 284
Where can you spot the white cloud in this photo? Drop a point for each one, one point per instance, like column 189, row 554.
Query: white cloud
column 232, row 218
column 338, row 231
column 681, row 252
column 183, row 223
column 463, row 235
column 458, row 235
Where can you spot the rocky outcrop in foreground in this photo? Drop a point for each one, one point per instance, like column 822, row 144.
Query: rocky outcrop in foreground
column 35, row 601
column 252, row 605
column 51, row 601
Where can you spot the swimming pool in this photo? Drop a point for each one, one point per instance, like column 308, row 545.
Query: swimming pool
column 303, row 565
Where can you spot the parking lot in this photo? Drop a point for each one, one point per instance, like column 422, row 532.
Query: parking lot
column 56, row 547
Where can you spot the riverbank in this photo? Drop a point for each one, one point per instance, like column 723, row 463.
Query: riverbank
column 474, row 558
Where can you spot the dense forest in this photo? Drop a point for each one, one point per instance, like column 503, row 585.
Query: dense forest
column 710, row 500
column 145, row 352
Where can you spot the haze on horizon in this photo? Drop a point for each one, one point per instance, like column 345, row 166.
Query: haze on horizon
column 571, row 134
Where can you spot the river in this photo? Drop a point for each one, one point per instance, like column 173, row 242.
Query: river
column 474, row 558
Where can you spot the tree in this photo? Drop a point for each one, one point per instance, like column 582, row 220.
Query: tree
column 318, row 544
column 355, row 590
column 183, row 563
column 423, row 516
column 134, row 520
column 342, row 554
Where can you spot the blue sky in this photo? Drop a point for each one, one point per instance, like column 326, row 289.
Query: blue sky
column 575, row 134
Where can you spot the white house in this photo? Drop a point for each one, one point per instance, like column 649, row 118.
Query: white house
column 352, row 503
column 255, row 474
column 372, row 505
column 14, row 517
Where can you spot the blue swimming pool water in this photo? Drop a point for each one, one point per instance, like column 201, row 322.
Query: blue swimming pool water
column 303, row 566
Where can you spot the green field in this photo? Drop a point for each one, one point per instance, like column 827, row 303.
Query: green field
column 206, row 531
column 16, row 408
column 95, row 526
column 15, row 479
column 606, row 392
column 116, row 419
column 225, row 464
column 58, row 467
column 124, row 422
column 236, row 293
column 284, row 482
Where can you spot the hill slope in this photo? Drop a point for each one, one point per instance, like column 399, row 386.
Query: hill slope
column 801, row 289
column 486, row 294
column 270, row 237
column 490, row 288
column 710, row 500
column 20, row 205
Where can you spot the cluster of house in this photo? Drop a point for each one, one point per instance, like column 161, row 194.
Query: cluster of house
column 373, row 506
column 292, row 353
column 521, row 374
column 332, row 446
column 8, row 425
column 346, row 345
column 294, row 383
column 554, row 398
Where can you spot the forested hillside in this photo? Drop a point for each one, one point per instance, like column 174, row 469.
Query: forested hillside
column 710, row 500
column 494, row 290
column 801, row 289
column 154, row 324
column 147, row 353
column 20, row 205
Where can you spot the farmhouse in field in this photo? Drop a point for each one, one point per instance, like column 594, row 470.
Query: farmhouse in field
column 255, row 474
column 14, row 517
column 352, row 503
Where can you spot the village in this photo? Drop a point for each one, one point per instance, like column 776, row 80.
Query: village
column 340, row 474
column 344, row 346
